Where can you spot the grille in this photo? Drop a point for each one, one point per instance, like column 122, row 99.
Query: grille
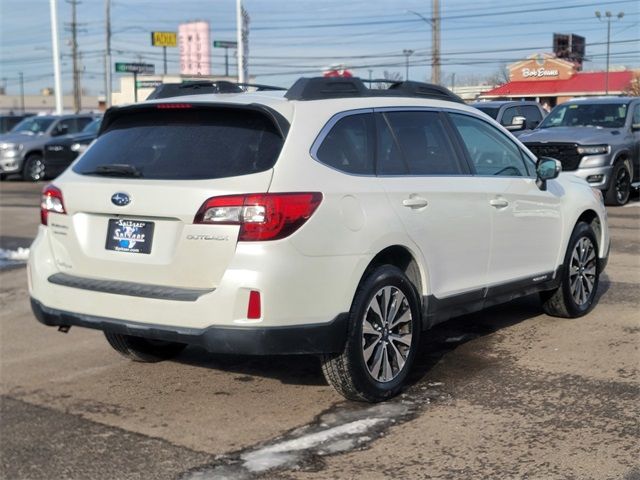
column 567, row 153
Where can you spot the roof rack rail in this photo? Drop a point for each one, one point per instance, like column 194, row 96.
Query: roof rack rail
column 201, row 87
column 318, row 88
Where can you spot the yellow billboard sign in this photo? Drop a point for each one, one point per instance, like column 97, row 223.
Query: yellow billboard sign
column 164, row 39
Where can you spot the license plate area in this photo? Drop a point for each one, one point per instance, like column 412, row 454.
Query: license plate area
column 131, row 236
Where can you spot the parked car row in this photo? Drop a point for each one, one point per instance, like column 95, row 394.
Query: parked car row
column 22, row 150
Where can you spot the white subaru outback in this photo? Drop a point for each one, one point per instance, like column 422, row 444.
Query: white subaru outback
column 332, row 219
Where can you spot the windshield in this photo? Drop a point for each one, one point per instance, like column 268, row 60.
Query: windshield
column 193, row 143
column 93, row 127
column 604, row 115
column 492, row 112
column 33, row 125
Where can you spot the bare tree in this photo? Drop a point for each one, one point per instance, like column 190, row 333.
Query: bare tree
column 634, row 87
column 499, row 77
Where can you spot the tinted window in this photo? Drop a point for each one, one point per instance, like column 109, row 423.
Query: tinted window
column 606, row 115
column 423, row 147
column 82, row 122
column 636, row 115
column 33, row 125
column 507, row 116
column 193, row 143
column 349, row 145
column 491, row 152
column 492, row 112
column 92, row 127
column 533, row 115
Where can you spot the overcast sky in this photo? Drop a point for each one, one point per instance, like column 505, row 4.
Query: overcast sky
column 290, row 38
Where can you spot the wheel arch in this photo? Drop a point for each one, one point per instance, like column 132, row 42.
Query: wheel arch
column 408, row 261
column 592, row 218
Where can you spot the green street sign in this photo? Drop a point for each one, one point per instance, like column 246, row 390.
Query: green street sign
column 146, row 68
column 224, row 44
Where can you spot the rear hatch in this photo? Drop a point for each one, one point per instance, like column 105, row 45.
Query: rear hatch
column 132, row 197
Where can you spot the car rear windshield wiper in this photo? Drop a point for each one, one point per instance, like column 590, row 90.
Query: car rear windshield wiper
column 115, row 170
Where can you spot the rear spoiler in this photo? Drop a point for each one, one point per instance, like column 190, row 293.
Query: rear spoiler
column 113, row 113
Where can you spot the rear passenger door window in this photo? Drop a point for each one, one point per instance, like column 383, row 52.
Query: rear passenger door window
column 491, row 152
column 415, row 143
column 349, row 146
column 82, row 122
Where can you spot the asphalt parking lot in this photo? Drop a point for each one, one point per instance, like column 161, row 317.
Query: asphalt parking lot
column 509, row 393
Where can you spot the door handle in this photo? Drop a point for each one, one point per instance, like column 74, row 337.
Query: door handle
column 499, row 203
column 415, row 202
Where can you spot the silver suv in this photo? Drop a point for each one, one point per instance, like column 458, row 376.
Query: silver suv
column 21, row 150
column 598, row 139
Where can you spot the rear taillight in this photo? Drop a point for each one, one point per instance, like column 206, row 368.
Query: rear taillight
column 261, row 216
column 51, row 202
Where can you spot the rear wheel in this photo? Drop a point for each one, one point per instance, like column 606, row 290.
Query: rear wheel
column 620, row 188
column 383, row 337
column 580, row 276
column 142, row 349
column 34, row 168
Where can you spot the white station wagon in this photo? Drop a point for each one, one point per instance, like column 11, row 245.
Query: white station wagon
column 330, row 219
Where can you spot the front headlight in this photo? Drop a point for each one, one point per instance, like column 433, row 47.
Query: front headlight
column 593, row 149
column 79, row 147
column 11, row 147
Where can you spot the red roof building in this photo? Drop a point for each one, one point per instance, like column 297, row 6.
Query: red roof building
column 552, row 80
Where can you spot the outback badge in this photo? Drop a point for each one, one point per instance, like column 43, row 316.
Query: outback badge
column 120, row 199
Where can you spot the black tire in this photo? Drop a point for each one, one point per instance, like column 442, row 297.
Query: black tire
column 620, row 187
column 143, row 350
column 3, row 177
column 348, row 372
column 34, row 168
column 561, row 302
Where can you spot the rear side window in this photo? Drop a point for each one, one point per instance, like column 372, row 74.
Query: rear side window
column 186, row 144
column 350, row 144
column 415, row 143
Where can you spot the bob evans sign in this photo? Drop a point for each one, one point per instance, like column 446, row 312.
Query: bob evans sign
column 541, row 67
column 539, row 72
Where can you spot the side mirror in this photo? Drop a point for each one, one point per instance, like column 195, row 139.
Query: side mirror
column 517, row 123
column 546, row 169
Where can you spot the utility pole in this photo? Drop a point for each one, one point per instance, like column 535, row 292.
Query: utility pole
column 53, row 7
column 21, row 91
column 107, row 56
column 242, row 27
column 435, row 43
column 407, row 53
column 73, row 27
column 608, row 16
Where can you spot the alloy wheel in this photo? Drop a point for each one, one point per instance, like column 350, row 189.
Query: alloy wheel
column 623, row 183
column 36, row 169
column 582, row 271
column 386, row 334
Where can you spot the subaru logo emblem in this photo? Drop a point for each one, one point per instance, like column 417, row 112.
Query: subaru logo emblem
column 120, row 199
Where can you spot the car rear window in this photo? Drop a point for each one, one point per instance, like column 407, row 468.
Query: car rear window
column 186, row 144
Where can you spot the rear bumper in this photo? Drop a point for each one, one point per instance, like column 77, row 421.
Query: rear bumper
column 303, row 339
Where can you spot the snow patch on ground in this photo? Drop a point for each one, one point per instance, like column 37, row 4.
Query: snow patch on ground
column 281, row 453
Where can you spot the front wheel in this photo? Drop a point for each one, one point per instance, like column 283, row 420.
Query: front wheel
column 620, row 189
column 34, row 168
column 580, row 277
column 384, row 330
column 142, row 349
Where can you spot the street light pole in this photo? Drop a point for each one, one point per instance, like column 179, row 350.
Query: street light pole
column 21, row 91
column 608, row 16
column 53, row 7
column 107, row 56
column 407, row 53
